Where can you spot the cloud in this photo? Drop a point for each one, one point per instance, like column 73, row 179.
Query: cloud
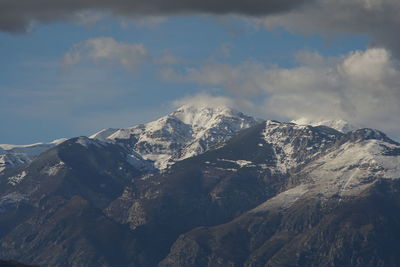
column 17, row 15
column 204, row 100
column 149, row 22
column 378, row 19
column 235, row 78
column 362, row 87
column 167, row 58
column 107, row 49
column 87, row 18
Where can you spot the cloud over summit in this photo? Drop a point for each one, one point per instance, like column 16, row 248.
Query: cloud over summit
column 361, row 87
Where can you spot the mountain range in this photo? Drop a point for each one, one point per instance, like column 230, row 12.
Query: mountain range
column 204, row 186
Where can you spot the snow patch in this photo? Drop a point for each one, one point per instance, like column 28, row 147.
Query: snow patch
column 103, row 134
column 2, row 163
column 241, row 163
column 139, row 163
column 86, row 142
column 282, row 201
column 14, row 180
column 53, row 170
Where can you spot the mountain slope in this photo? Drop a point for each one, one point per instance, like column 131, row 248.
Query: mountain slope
column 12, row 156
column 274, row 194
column 338, row 210
column 339, row 125
column 52, row 214
column 189, row 131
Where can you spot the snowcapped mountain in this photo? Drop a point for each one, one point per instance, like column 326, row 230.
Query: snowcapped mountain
column 186, row 132
column 296, row 145
column 338, row 207
column 340, row 125
column 238, row 192
column 354, row 166
column 12, row 156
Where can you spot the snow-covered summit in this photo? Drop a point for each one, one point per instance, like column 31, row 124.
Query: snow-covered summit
column 103, row 134
column 339, row 125
column 12, row 156
column 29, row 148
column 295, row 144
column 188, row 131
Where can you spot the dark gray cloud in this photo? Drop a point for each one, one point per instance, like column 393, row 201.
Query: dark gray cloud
column 17, row 15
column 378, row 19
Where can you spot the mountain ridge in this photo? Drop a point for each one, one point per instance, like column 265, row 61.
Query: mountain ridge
column 276, row 194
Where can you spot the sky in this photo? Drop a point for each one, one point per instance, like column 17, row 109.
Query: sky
column 70, row 68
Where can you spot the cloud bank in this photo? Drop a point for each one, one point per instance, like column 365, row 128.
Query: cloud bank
column 378, row 19
column 362, row 87
column 17, row 15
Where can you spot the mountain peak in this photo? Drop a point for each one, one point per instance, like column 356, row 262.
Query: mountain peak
column 188, row 131
column 190, row 108
column 338, row 124
column 203, row 116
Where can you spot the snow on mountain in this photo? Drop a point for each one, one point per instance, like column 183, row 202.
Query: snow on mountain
column 354, row 167
column 32, row 149
column 12, row 156
column 103, row 134
column 340, row 125
column 14, row 180
column 283, row 200
column 296, row 144
column 188, row 131
column 351, row 165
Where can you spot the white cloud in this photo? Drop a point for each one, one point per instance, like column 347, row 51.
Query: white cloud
column 362, row 87
column 235, row 78
column 204, row 100
column 109, row 50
